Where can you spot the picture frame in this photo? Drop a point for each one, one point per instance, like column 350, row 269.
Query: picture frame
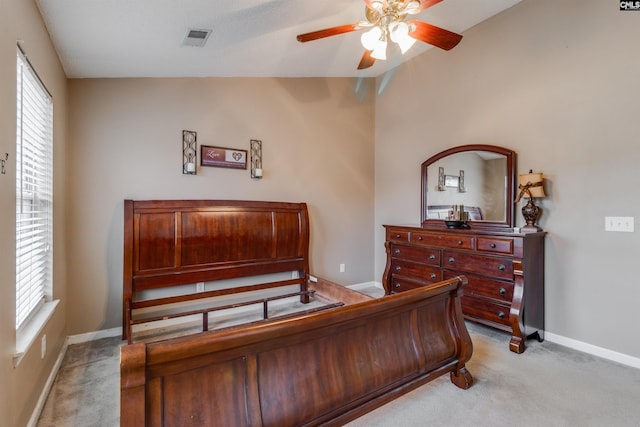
column 223, row 157
column 451, row 181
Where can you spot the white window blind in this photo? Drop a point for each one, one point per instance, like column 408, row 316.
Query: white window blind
column 34, row 207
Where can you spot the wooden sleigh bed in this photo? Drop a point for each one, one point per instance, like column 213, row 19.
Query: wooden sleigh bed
column 318, row 367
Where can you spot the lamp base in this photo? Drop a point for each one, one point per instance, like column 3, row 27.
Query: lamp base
column 530, row 229
column 530, row 212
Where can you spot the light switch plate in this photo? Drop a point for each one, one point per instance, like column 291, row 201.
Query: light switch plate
column 618, row 223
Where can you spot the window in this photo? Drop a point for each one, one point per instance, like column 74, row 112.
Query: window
column 34, row 202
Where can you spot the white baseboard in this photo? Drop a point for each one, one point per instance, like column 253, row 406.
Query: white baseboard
column 594, row 350
column 365, row 285
column 42, row 400
column 92, row 336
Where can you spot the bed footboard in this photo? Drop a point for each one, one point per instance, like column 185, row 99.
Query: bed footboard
column 325, row 368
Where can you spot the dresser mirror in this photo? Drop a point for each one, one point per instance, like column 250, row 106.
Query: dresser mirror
column 477, row 180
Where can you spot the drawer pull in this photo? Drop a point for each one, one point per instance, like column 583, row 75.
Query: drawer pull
column 451, row 260
column 398, row 268
column 397, row 236
column 501, row 267
column 502, row 291
column 492, row 246
column 397, row 251
column 397, row 285
column 432, row 276
column 459, row 242
column 432, row 257
column 501, row 314
column 420, row 238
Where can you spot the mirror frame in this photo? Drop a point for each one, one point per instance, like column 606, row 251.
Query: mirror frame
column 509, row 213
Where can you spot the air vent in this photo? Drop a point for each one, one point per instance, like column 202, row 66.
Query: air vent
column 196, row 38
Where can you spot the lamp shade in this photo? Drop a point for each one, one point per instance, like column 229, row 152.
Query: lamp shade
column 371, row 39
column 534, row 183
column 399, row 32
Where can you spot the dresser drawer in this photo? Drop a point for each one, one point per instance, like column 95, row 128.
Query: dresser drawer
column 437, row 239
column 415, row 253
column 484, row 309
column 397, row 235
column 483, row 287
column 415, row 271
column 498, row 267
column 490, row 244
column 400, row 284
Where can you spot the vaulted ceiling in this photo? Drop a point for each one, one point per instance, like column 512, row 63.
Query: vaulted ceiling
column 249, row 38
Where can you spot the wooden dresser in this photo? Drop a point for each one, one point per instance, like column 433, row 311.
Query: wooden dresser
column 505, row 272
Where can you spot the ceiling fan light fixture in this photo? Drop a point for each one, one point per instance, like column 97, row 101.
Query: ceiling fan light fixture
column 377, row 5
column 412, row 7
column 405, row 43
column 387, row 20
column 397, row 30
column 372, row 38
column 380, row 52
column 399, row 33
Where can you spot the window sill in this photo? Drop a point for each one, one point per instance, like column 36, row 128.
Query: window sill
column 27, row 335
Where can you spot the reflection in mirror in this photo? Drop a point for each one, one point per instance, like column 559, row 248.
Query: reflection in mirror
column 484, row 184
column 477, row 177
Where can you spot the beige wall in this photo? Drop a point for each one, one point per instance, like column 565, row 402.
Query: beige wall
column 126, row 143
column 556, row 81
column 20, row 387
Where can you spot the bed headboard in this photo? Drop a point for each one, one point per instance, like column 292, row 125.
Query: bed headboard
column 177, row 242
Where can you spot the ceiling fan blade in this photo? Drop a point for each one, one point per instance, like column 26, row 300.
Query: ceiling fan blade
column 367, row 60
column 439, row 37
column 328, row 32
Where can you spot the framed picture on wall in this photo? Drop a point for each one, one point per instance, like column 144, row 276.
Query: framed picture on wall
column 451, row 181
column 223, row 157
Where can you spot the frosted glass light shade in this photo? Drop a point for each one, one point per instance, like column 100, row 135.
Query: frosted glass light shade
column 377, row 4
column 371, row 39
column 412, row 7
column 380, row 52
column 406, row 43
column 399, row 33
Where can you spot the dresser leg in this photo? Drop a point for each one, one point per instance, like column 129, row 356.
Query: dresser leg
column 516, row 344
column 539, row 335
column 517, row 336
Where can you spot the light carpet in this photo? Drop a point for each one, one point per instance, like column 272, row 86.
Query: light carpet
column 547, row 385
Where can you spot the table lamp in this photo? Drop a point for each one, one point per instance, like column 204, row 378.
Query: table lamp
column 530, row 187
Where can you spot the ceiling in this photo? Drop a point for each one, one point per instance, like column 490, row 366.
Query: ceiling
column 250, row 38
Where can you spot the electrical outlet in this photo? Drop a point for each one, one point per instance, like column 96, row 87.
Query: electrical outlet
column 618, row 223
column 343, row 268
column 43, row 347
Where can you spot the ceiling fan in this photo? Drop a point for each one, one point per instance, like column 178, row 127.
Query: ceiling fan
column 387, row 20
